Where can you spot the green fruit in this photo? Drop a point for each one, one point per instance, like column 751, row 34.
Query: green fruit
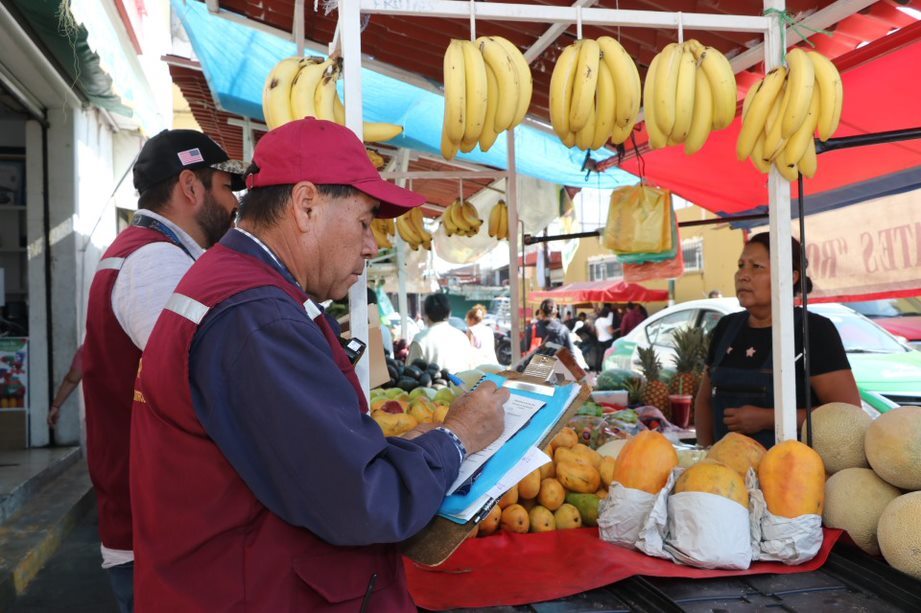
column 419, row 391
column 587, row 505
column 444, row 396
column 393, row 392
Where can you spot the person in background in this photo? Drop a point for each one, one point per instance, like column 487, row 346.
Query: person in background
column 440, row 342
column 186, row 203
column 569, row 321
column 605, row 333
column 632, row 318
column 481, row 336
column 715, row 293
column 580, row 321
column 68, row 385
column 258, row 479
column 737, row 388
column 550, row 329
column 531, row 339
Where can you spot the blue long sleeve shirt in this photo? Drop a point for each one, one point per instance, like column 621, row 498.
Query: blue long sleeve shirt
column 267, row 391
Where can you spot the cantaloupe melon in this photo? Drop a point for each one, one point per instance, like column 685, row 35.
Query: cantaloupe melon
column 893, row 446
column 838, row 431
column 854, row 500
column 899, row 534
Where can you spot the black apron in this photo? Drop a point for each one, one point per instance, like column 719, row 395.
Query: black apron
column 736, row 387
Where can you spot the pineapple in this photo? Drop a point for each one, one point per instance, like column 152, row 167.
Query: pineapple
column 655, row 392
column 689, row 359
column 634, row 387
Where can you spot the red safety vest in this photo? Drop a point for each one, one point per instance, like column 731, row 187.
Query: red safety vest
column 203, row 542
column 110, row 365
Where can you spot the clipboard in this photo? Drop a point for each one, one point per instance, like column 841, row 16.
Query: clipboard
column 441, row 537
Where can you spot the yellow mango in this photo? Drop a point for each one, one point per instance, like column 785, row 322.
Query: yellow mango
column 490, row 523
column 542, row 519
column 529, row 486
column 551, row 494
column 578, row 477
column 606, row 470
column 566, row 437
column 509, row 498
column 567, row 517
column 515, row 519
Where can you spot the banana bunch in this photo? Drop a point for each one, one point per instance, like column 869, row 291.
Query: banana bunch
column 488, row 86
column 690, row 90
column 498, row 221
column 299, row 87
column 594, row 94
column 461, row 218
column 376, row 158
column 412, row 230
column 782, row 112
column 383, row 229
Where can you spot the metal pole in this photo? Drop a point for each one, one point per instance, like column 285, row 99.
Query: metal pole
column 402, row 164
column 511, row 189
column 803, row 288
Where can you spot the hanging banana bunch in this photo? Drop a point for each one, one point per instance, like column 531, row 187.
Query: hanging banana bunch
column 412, row 230
column 594, row 94
column 498, row 221
column 782, row 112
column 461, row 218
column 383, row 229
column 299, row 87
column 487, row 90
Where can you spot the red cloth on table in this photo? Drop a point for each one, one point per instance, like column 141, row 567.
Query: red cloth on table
column 515, row 569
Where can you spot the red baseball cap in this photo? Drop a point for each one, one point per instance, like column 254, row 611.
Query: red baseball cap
column 324, row 152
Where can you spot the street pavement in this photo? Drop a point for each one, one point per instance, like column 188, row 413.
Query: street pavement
column 73, row 579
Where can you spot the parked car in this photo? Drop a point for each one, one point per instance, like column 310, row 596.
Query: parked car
column 888, row 372
column 900, row 316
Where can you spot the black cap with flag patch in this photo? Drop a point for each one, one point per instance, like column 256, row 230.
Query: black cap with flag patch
column 172, row 151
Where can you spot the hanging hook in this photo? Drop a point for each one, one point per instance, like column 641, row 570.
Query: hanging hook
column 680, row 28
column 578, row 23
column 472, row 20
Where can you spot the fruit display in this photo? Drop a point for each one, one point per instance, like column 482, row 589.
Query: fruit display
column 689, row 91
column 419, row 373
column 614, row 379
column 690, row 344
column 299, row 87
column 899, row 534
column 783, row 111
column 383, row 229
column 792, row 477
column 739, row 452
column 838, row 432
column 411, row 227
column 893, row 447
column 594, row 94
column 397, row 411
column 713, row 477
column 487, row 90
column 655, row 391
column 461, row 218
column 645, row 462
column 855, row 498
column 498, row 221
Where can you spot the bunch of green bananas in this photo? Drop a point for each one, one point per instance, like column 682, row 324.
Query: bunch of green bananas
column 461, row 218
column 299, row 87
column 594, row 94
column 782, row 112
column 498, row 221
column 488, row 88
column 412, row 230
column 690, row 90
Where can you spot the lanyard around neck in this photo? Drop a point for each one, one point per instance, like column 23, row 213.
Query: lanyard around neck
column 144, row 221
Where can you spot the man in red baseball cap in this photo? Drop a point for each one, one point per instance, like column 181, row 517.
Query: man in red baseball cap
column 258, row 479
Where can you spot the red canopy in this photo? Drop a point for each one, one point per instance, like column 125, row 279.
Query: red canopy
column 879, row 95
column 608, row 290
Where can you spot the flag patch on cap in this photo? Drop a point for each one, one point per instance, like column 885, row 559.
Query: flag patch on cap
column 190, row 156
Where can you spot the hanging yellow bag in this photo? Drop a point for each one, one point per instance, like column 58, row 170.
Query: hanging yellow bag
column 639, row 220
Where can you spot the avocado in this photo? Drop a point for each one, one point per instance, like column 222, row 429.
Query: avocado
column 425, row 380
column 412, row 371
column 407, row 383
column 420, row 364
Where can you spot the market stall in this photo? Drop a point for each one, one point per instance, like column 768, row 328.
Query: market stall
column 604, row 291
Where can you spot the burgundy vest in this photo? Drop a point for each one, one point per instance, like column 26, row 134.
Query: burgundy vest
column 203, row 542
column 110, row 364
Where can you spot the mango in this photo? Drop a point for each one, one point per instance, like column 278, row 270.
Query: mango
column 529, row 486
column 444, row 396
column 567, row 517
column 394, row 424
column 602, row 493
column 566, row 437
column 551, row 494
column 441, row 410
column 606, row 470
column 578, row 477
column 509, row 498
column 542, row 519
column 548, row 470
column 528, row 504
column 586, row 452
column 423, row 410
column 515, row 519
column 566, row 454
column 490, row 523
column 587, row 505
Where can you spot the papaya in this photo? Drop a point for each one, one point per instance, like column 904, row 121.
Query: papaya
column 587, row 504
column 738, row 452
column 578, row 477
column 713, row 477
column 606, row 470
column 566, row 437
column 515, row 519
column 490, row 523
column 646, row 462
column 529, row 486
column 792, row 477
column 509, row 498
column 567, row 517
column 541, row 519
column 551, row 494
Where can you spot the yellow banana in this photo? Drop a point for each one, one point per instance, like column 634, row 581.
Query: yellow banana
column 666, row 87
column 684, row 95
column 657, row 138
column 626, row 78
column 564, row 73
column 326, row 94
column 466, row 146
column 489, row 134
column 455, row 94
column 389, row 226
column 407, row 232
column 446, row 221
column 808, row 164
column 493, row 228
column 723, row 88
column 475, row 94
column 800, row 83
column 304, row 87
column 503, row 223
column 604, row 107
column 525, row 80
column 586, row 135
column 831, row 94
column 448, row 147
column 380, row 235
column 583, row 87
column 276, row 95
column 506, row 78
column 790, row 172
column 620, row 135
column 379, row 131
column 338, row 110
column 569, row 140
column 796, row 145
column 457, row 218
column 757, row 156
column 702, row 120
column 761, row 102
column 748, row 98
column 697, row 50
column 471, row 216
column 773, row 137
column 417, row 220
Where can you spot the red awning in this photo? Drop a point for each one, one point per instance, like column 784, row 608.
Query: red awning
column 881, row 93
column 608, row 290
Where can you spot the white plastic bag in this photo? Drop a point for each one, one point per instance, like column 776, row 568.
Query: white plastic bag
column 775, row 538
column 708, row 531
column 622, row 514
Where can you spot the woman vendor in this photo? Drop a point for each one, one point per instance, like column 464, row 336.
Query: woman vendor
column 737, row 389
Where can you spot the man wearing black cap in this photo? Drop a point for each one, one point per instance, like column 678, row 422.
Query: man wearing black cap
column 258, row 480
column 186, row 184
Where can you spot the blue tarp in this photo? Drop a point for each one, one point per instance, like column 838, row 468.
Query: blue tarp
column 236, row 59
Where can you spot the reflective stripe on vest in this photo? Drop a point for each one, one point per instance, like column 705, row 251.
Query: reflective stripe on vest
column 195, row 311
column 110, row 264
